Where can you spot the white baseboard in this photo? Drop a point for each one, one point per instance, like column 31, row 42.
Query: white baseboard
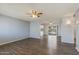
column 34, row 38
column 11, row 41
column 68, row 42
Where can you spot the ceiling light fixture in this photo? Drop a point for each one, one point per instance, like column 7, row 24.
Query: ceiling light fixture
column 35, row 13
column 34, row 16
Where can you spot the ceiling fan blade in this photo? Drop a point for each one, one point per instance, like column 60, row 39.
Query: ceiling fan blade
column 34, row 12
column 40, row 13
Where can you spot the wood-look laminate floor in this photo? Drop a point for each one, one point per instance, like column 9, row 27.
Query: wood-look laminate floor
column 37, row 47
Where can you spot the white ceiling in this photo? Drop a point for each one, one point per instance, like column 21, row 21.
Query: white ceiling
column 52, row 11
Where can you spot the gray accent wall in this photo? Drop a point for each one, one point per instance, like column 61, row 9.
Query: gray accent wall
column 12, row 29
column 35, row 29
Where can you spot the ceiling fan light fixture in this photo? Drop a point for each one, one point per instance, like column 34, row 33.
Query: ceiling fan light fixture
column 34, row 16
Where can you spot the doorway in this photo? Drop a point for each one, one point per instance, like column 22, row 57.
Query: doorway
column 52, row 38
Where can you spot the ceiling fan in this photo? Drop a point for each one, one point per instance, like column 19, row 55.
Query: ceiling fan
column 35, row 14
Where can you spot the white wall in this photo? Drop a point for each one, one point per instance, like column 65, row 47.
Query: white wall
column 59, row 27
column 35, row 29
column 67, row 32
column 46, row 29
column 77, row 33
column 12, row 29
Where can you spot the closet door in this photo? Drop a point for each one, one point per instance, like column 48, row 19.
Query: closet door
column 67, row 31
